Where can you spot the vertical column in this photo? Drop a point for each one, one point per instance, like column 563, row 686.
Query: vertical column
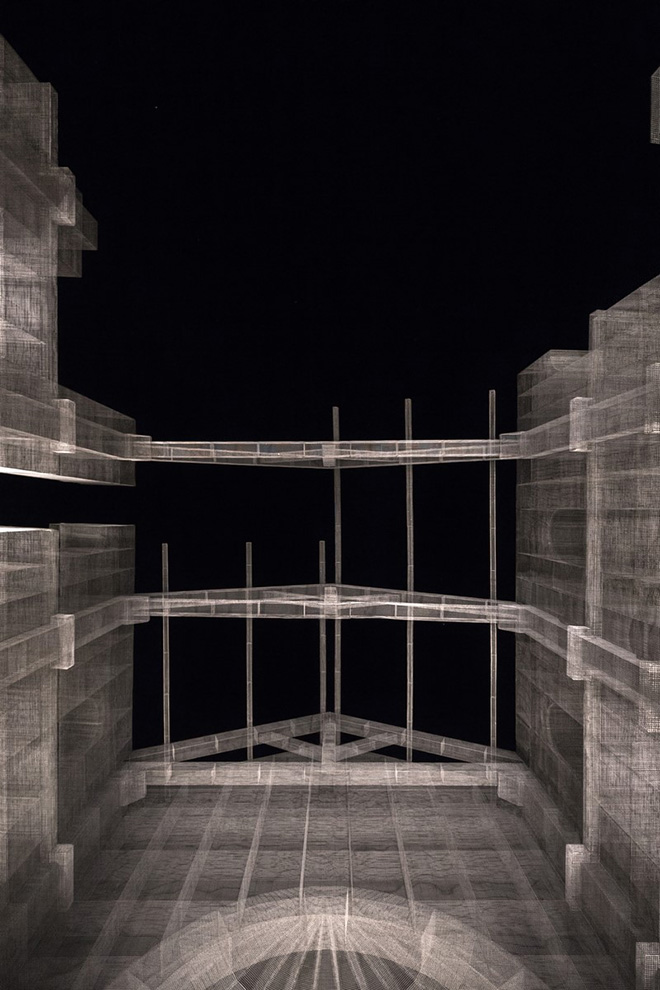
column 594, row 581
column 652, row 424
column 337, row 495
column 592, row 762
column 410, row 579
column 593, row 621
column 593, row 618
column 249, row 700
column 165, row 568
column 594, row 521
column 492, row 554
column 323, row 642
column 329, row 736
column 655, row 107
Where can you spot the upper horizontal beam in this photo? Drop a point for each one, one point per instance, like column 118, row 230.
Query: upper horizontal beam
column 587, row 423
column 331, row 454
column 77, row 440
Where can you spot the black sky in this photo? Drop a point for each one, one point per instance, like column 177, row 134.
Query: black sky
column 308, row 204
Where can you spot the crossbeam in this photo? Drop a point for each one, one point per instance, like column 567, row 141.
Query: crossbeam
column 319, row 601
column 282, row 735
column 320, row 454
column 225, row 742
column 345, row 774
column 423, row 742
column 289, row 744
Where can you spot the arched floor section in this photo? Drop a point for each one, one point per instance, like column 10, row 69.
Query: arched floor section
column 332, row 941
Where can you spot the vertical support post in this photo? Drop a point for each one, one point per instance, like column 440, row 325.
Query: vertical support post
column 337, row 497
column 165, row 572
column 492, row 554
column 594, row 595
column 410, row 580
column 323, row 641
column 249, row 643
column 592, row 766
column 593, row 616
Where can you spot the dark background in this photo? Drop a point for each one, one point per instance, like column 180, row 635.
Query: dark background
column 308, row 204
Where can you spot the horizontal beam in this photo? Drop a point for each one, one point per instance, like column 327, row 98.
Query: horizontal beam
column 325, row 601
column 305, row 774
column 623, row 415
column 46, row 646
column 321, row 454
column 74, row 439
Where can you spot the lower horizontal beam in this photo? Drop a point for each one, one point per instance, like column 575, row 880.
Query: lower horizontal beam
column 293, row 773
